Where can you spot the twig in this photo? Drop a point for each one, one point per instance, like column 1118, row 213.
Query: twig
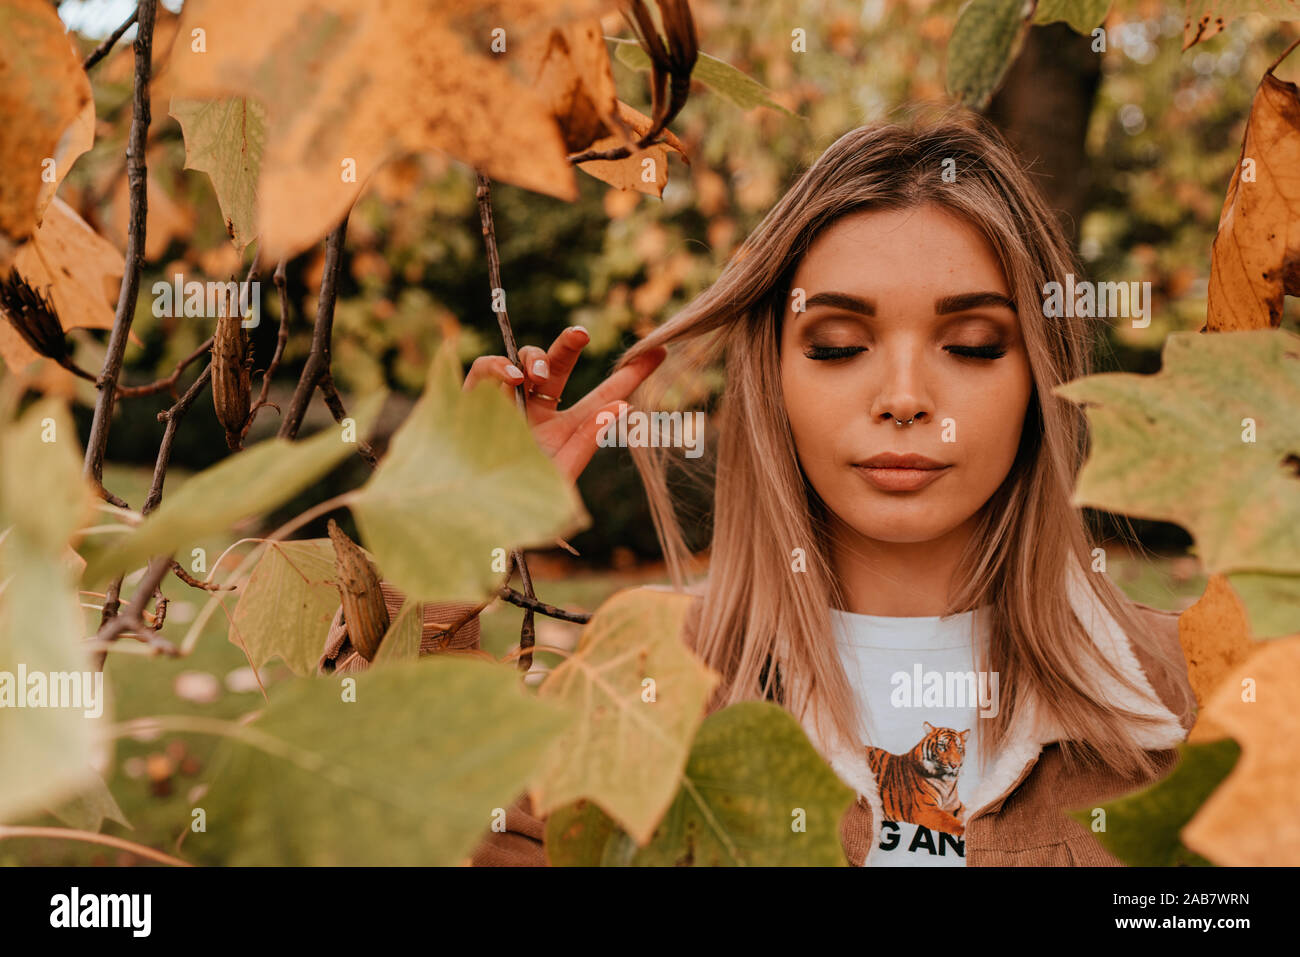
column 108, row 496
column 168, row 383
column 551, row 611
column 97, row 443
column 131, row 619
column 318, row 360
column 483, row 192
column 335, row 404
column 71, row 834
column 282, row 337
column 193, row 582
column 101, row 51
column 172, row 418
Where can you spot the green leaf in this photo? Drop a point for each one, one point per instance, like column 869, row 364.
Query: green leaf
column 983, row 45
column 1173, row 447
column 401, row 642
column 88, row 810
column 1142, row 828
column 752, row 771
column 410, row 773
column 626, row 753
column 225, row 138
column 42, row 492
column 1083, row 16
column 718, row 75
column 285, row 608
column 248, row 483
column 462, row 478
column 46, row 752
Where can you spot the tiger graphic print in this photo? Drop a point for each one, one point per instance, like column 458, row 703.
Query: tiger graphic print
column 920, row 786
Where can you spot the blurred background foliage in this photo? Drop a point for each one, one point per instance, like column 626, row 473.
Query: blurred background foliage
column 1161, row 131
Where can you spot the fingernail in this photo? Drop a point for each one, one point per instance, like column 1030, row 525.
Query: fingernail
column 540, row 369
column 582, row 329
column 513, row 372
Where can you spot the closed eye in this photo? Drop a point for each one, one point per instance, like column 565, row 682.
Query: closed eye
column 978, row 352
column 824, row 353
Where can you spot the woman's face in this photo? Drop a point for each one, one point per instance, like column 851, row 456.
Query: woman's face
column 906, row 314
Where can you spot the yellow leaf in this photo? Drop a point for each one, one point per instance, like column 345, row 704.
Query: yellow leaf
column 1256, row 255
column 1216, row 638
column 43, row 92
column 1250, row 820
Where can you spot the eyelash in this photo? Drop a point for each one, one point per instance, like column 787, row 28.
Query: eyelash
column 830, row 353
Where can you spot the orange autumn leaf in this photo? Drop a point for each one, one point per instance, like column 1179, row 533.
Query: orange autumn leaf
column 645, row 170
column 1216, row 638
column 1256, row 254
column 571, row 72
column 343, row 95
column 72, row 266
column 1250, row 820
column 43, row 95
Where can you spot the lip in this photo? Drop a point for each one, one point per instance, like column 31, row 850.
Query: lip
column 896, row 472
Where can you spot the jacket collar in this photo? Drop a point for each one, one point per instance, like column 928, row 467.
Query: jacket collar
column 1033, row 728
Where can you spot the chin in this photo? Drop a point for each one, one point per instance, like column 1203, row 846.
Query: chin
column 893, row 524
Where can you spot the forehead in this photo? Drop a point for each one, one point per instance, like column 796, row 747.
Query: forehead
column 873, row 251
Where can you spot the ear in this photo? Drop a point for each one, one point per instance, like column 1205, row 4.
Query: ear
column 929, row 727
column 963, row 735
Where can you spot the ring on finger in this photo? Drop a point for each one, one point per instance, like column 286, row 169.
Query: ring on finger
column 546, row 398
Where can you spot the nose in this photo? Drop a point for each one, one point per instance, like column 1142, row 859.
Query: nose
column 902, row 395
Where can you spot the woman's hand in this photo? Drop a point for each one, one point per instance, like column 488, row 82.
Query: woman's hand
column 569, row 437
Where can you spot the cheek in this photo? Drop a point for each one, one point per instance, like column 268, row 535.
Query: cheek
column 811, row 407
column 994, row 418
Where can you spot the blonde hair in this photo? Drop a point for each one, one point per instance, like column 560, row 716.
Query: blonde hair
column 755, row 611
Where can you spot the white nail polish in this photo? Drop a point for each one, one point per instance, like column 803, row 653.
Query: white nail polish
column 540, row 368
column 514, row 372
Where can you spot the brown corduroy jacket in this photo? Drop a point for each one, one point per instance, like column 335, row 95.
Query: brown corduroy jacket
column 1016, row 819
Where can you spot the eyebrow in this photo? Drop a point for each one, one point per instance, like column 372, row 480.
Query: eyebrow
column 942, row 306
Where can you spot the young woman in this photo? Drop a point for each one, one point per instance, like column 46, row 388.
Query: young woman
column 895, row 557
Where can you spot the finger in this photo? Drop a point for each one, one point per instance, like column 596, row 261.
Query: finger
column 619, row 385
column 581, row 446
column 529, row 357
column 493, row 368
column 563, row 356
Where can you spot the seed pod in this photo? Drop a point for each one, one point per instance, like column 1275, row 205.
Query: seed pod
column 33, row 317
column 364, row 611
column 231, row 381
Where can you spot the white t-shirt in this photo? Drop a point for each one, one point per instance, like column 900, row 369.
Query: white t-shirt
column 921, row 698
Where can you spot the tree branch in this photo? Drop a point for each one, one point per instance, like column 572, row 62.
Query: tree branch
column 282, row 337
column 551, row 611
column 172, row 417
column 335, row 404
column 318, row 360
column 483, row 193
column 96, row 445
column 168, row 383
column 101, row 51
